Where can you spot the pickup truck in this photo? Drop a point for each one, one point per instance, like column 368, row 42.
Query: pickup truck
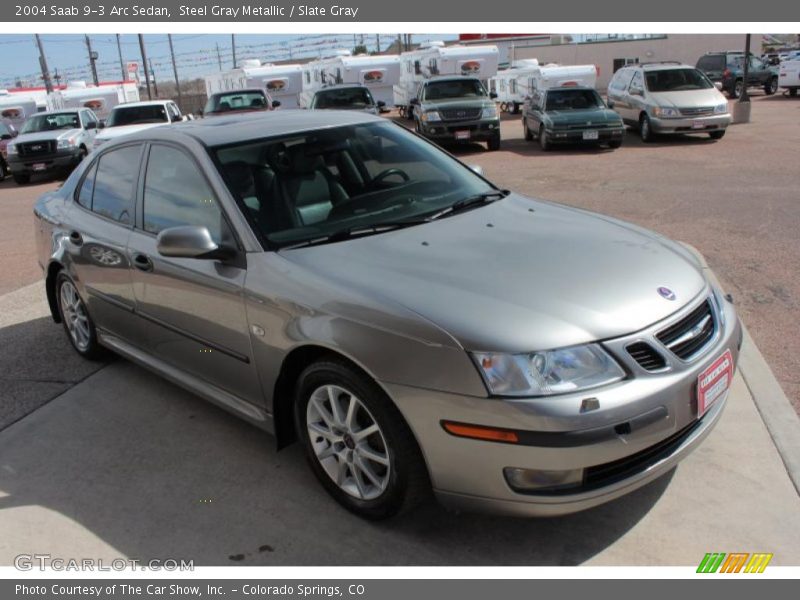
column 789, row 77
column 136, row 116
column 727, row 69
column 52, row 142
column 456, row 109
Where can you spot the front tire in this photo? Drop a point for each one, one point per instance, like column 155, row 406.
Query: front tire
column 528, row 133
column 716, row 135
column 357, row 443
column 645, row 129
column 615, row 144
column 544, row 144
column 793, row 92
column 21, row 178
column 75, row 317
column 771, row 86
column 493, row 144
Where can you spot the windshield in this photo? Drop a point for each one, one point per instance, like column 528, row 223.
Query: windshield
column 51, row 122
column 253, row 100
column 314, row 184
column 677, row 80
column 343, row 98
column 454, row 88
column 573, row 100
column 136, row 115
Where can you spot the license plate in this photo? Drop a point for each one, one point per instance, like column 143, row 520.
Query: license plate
column 39, row 167
column 590, row 135
column 698, row 125
column 714, row 382
column 462, row 135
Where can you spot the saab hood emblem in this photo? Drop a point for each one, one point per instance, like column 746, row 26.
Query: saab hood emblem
column 666, row 293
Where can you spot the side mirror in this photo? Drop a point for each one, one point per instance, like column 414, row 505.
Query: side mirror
column 102, row 125
column 276, row 103
column 91, row 125
column 492, row 95
column 718, row 85
column 414, row 101
column 477, row 169
column 380, row 104
column 191, row 241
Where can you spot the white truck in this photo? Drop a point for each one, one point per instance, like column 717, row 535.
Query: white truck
column 378, row 73
column 100, row 99
column 282, row 82
column 15, row 109
column 789, row 75
column 511, row 85
column 434, row 58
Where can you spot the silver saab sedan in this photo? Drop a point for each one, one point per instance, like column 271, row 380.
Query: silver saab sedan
column 334, row 278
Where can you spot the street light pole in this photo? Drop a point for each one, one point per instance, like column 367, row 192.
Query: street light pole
column 744, row 97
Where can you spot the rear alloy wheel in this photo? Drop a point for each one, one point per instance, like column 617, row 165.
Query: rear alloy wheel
column 771, row 86
column 738, row 89
column 716, row 135
column 77, row 322
column 645, row 129
column 357, row 443
column 544, row 143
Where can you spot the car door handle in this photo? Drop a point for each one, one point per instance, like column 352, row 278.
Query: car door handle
column 142, row 262
column 76, row 238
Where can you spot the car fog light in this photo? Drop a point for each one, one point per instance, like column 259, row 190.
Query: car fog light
column 535, row 480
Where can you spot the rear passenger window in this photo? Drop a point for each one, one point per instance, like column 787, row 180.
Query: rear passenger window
column 114, row 183
column 87, row 188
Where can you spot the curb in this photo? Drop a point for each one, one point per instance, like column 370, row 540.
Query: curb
column 773, row 406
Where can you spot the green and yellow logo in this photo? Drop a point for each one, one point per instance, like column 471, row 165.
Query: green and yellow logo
column 735, row 562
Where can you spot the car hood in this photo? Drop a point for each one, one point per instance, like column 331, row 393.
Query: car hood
column 115, row 132
column 688, row 98
column 589, row 116
column 46, row 136
column 459, row 103
column 517, row 275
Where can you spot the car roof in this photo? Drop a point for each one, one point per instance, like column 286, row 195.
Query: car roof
column 663, row 66
column 144, row 103
column 242, row 91
column 450, row 78
column 60, row 112
column 341, row 86
column 242, row 127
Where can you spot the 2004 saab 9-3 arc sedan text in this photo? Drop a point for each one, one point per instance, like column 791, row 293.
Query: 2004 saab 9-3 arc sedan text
column 333, row 277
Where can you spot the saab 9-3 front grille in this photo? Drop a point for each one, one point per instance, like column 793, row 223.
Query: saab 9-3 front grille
column 647, row 356
column 689, row 336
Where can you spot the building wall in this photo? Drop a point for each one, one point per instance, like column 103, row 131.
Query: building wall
column 686, row 48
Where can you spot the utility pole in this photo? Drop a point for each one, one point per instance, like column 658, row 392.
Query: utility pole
column 744, row 97
column 121, row 62
column 144, row 66
column 175, row 71
column 57, row 77
column 219, row 57
column 378, row 41
column 48, row 85
column 92, row 59
column 233, row 46
column 155, row 82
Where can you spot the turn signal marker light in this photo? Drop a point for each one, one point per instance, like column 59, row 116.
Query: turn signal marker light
column 479, row 432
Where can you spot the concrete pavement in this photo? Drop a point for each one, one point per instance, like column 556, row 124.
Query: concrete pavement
column 124, row 464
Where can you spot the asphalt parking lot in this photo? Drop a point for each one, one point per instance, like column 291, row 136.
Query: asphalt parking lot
column 111, row 461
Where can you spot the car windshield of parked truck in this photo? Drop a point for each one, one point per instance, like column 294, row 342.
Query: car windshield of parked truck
column 676, row 80
column 50, row 122
column 137, row 115
column 343, row 98
column 454, row 88
column 337, row 183
column 575, row 99
column 218, row 103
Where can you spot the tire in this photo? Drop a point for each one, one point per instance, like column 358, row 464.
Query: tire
column 543, row 143
column 515, row 108
column 716, row 135
column 493, row 144
column 3, row 169
column 738, row 88
column 526, row 131
column 21, row 178
column 793, row 92
column 395, row 478
column 410, row 113
column 771, row 86
column 645, row 129
column 76, row 320
column 615, row 144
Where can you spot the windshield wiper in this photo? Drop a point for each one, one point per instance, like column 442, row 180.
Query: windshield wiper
column 470, row 202
column 355, row 231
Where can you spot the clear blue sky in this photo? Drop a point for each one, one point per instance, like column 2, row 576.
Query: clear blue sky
column 196, row 54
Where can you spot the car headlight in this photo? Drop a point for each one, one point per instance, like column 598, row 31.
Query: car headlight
column 665, row 112
column 11, row 149
column 721, row 109
column 66, row 144
column 548, row 372
column 490, row 112
column 431, row 116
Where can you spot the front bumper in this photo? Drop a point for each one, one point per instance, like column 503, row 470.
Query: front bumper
column 44, row 163
column 576, row 136
column 642, row 428
column 691, row 124
column 447, row 131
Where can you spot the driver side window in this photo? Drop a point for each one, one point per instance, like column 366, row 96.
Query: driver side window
column 637, row 83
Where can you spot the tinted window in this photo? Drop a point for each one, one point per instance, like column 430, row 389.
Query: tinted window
column 243, row 100
column 176, row 193
column 135, row 115
column 677, row 80
column 573, row 99
column 114, row 183
column 343, row 98
column 711, row 63
column 87, row 188
column 454, row 88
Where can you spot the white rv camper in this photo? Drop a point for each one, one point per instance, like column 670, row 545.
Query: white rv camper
column 16, row 109
column 550, row 76
column 282, row 82
column 101, row 99
column 511, row 85
column 379, row 73
column 434, row 58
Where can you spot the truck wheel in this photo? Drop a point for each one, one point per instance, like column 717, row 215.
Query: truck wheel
column 793, row 92
column 515, row 108
column 410, row 113
column 357, row 443
column 716, row 135
column 3, row 169
column 738, row 89
column 21, row 178
column 493, row 144
column 645, row 129
column 526, row 131
column 615, row 144
column 544, row 144
column 771, row 86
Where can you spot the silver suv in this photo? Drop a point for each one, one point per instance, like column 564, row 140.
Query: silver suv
column 668, row 98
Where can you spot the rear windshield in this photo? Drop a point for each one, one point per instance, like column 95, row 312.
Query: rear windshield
column 573, row 100
column 676, row 80
column 254, row 100
column 454, row 88
column 51, row 122
column 136, row 115
column 343, row 98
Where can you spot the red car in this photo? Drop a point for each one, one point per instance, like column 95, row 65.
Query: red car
column 7, row 133
column 249, row 100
